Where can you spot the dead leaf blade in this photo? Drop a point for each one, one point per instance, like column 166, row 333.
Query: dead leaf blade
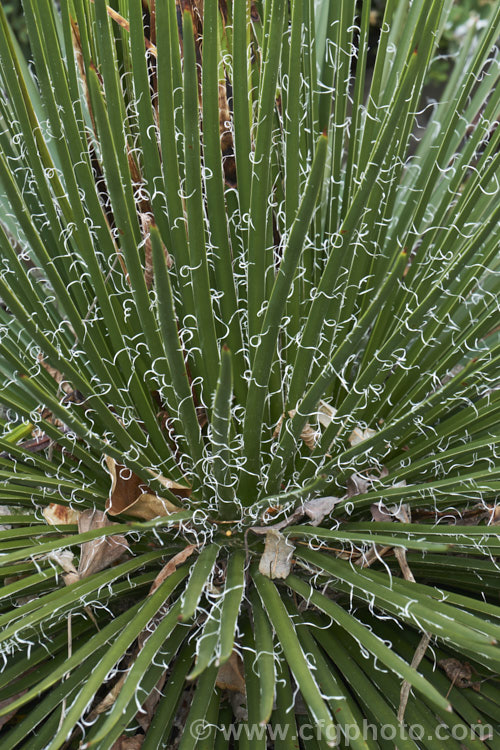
column 172, row 566
column 101, row 553
column 276, row 560
column 131, row 495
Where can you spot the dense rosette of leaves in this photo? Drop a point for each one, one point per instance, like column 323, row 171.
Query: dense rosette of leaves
column 249, row 375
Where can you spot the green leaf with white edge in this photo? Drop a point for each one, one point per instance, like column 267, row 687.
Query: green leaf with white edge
column 139, row 668
column 365, row 637
column 233, row 594
column 198, row 579
column 285, row 633
column 244, row 256
column 129, row 633
column 264, row 658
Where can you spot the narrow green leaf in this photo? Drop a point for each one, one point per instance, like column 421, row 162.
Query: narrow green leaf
column 294, row 654
column 200, row 573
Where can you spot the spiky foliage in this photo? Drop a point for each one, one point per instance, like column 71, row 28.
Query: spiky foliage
column 241, row 289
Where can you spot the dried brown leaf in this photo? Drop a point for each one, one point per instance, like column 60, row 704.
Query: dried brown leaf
column 471, row 517
column 459, row 673
column 231, row 675
column 406, row 687
column 121, row 21
column 238, row 702
column 358, row 435
column 98, row 554
column 129, row 494
column 308, row 434
column 226, row 136
column 357, row 484
column 108, row 699
column 128, row 743
column 276, row 560
column 146, row 715
column 319, row 508
column 77, row 46
column 39, row 442
column 146, row 223
column 495, row 515
column 60, row 514
column 316, row 510
column 385, row 513
column 146, row 507
column 365, row 559
column 380, row 513
column 277, row 429
column 403, row 564
column 326, row 413
column 5, row 511
column 7, row 717
column 64, row 558
column 58, row 376
column 171, row 566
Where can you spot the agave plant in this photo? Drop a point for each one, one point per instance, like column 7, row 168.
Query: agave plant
column 249, row 378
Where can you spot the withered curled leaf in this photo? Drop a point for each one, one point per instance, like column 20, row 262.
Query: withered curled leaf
column 230, row 675
column 110, row 698
column 459, row 673
column 384, row 513
column 64, row 558
column 60, row 514
column 276, row 560
column 359, row 435
column 171, row 566
column 131, row 495
column 316, row 510
column 309, row 435
column 99, row 553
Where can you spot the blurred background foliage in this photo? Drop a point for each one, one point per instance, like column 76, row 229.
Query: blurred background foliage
column 14, row 12
column 464, row 15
